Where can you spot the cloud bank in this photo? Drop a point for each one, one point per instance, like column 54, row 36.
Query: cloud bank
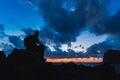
column 69, row 17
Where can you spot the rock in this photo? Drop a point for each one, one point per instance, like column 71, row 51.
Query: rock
column 112, row 57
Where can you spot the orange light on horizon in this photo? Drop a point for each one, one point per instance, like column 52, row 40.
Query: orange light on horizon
column 66, row 60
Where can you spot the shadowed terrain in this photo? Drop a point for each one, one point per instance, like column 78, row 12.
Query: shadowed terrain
column 112, row 57
column 25, row 65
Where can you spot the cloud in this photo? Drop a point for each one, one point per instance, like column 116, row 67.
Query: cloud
column 16, row 41
column 51, row 36
column 7, row 48
column 69, row 17
column 102, row 47
column 110, row 25
column 65, row 19
column 59, row 53
column 113, row 24
column 99, row 48
column 59, row 19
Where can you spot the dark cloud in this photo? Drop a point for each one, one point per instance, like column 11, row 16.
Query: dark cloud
column 113, row 24
column 99, row 48
column 7, row 48
column 70, row 17
column 102, row 47
column 59, row 19
column 51, row 36
column 110, row 25
column 16, row 41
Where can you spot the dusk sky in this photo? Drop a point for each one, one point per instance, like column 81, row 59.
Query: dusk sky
column 68, row 28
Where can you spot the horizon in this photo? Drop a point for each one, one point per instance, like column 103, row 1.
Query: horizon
column 75, row 60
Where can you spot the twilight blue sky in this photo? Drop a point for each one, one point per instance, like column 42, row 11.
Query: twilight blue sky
column 68, row 28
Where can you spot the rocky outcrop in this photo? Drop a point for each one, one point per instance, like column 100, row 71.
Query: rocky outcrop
column 112, row 57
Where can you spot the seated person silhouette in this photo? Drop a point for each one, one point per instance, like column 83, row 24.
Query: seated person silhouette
column 33, row 44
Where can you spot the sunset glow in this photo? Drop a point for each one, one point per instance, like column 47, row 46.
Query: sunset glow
column 65, row 60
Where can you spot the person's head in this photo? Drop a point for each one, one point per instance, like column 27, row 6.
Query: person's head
column 36, row 32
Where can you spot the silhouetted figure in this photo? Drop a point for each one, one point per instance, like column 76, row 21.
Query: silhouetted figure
column 33, row 44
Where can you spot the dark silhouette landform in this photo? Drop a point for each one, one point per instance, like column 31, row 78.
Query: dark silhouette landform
column 112, row 57
column 25, row 65
column 29, row 64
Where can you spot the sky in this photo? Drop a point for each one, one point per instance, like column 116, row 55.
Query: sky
column 68, row 28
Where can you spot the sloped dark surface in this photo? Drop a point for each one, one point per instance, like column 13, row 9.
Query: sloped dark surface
column 112, row 57
column 23, row 65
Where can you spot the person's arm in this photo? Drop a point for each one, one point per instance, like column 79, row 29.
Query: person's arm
column 41, row 44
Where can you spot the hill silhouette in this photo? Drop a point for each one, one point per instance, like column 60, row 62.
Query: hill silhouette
column 112, row 57
column 24, row 65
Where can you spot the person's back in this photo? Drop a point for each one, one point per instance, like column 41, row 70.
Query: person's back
column 30, row 42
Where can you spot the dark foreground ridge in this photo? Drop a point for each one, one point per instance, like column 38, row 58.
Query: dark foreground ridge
column 112, row 57
column 24, row 65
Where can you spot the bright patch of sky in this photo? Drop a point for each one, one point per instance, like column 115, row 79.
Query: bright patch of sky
column 84, row 40
column 16, row 15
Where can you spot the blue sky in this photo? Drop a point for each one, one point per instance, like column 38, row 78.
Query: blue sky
column 23, row 14
column 14, row 12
